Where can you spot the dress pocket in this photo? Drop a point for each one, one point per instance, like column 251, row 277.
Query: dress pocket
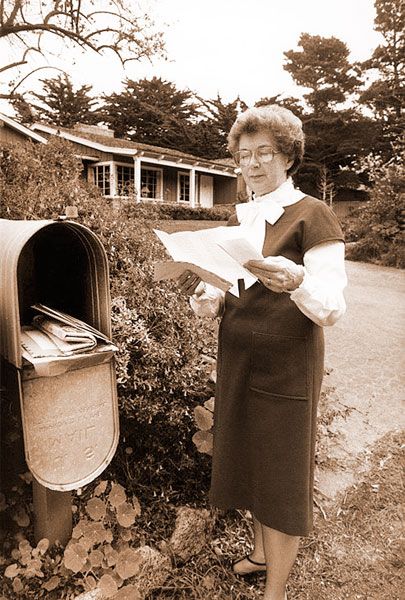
column 279, row 366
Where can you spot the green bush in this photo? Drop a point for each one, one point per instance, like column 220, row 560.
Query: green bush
column 179, row 212
column 161, row 372
column 377, row 228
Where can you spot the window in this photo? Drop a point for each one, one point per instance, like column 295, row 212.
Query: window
column 102, row 178
column 184, row 187
column 151, row 183
column 125, row 180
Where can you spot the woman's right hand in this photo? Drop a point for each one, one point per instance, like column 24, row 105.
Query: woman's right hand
column 188, row 282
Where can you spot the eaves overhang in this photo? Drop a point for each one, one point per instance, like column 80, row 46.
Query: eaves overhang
column 145, row 155
column 26, row 131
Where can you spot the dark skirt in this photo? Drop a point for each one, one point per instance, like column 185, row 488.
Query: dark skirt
column 270, row 367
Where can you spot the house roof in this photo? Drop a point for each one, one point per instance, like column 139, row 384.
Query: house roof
column 36, row 137
column 110, row 144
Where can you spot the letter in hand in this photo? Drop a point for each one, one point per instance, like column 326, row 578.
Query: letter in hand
column 277, row 273
column 188, row 282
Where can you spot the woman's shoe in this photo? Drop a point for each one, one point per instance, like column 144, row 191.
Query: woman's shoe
column 255, row 567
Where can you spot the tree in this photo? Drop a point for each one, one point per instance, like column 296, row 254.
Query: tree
column 289, row 102
column 30, row 27
column 378, row 227
column 335, row 141
column 335, row 137
column 385, row 95
column 211, row 132
column 152, row 111
column 322, row 65
column 60, row 104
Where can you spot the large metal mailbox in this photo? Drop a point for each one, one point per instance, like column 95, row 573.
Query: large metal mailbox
column 70, row 420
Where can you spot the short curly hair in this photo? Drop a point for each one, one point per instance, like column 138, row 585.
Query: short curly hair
column 284, row 126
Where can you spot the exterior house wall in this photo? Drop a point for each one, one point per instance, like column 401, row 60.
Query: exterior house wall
column 8, row 135
column 225, row 190
column 13, row 132
column 103, row 155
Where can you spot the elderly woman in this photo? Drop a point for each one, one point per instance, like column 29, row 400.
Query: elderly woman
column 271, row 348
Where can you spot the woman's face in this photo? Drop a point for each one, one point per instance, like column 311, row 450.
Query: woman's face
column 263, row 177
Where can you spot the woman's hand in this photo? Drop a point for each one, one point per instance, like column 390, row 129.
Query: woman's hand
column 277, row 273
column 188, row 282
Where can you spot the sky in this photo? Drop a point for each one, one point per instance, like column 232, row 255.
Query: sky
column 235, row 47
column 231, row 47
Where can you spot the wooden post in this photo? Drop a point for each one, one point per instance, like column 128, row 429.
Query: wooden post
column 53, row 514
column 192, row 188
column 137, row 178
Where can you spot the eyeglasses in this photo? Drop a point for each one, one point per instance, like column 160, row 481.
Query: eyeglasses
column 263, row 154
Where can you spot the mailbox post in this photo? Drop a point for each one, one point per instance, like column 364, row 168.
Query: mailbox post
column 70, row 419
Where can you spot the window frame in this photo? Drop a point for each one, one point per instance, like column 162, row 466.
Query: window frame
column 103, row 165
column 181, row 174
column 159, row 185
column 129, row 166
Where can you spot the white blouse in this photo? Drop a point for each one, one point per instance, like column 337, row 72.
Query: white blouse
column 320, row 295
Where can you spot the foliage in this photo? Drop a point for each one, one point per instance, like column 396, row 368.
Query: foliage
column 211, row 133
column 161, row 372
column 92, row 25
column 178, row 212
column 336, row 138
column 385, row 95
column 322, row 65
column 336, row 141
column 101, row 552
column 204, row 419
column 156, row 112
column 377, row 228
column 60, row 104
column 293, row 104
column 152, row 111
column 347, row 556
column 40, row 180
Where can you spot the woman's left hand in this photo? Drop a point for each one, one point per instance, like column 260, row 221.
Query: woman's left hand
column 277, row 273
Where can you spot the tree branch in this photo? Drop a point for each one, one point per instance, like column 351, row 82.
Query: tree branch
column 13, row 14
column 29, row 75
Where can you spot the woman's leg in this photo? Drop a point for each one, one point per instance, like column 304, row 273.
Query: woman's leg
column 281, row 551
column 243, row 566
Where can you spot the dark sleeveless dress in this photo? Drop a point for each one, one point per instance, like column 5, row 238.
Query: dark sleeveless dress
column 269, row 375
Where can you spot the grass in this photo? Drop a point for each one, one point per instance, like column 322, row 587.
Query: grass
column 354, row 553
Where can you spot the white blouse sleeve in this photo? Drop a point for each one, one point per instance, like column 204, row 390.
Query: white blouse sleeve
column 207, row 301
column 320, row 295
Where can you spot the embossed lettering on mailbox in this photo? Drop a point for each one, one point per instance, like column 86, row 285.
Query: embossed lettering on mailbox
column 70, row 426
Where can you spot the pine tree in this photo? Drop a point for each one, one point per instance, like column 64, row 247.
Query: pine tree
column 322, row 65
column 335, row 137
column 152, row 111
column 386, row 94
column 211, row 132
column 59, row 104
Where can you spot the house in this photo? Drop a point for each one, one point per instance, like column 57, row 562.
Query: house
column 12, row 131
column 124, row 169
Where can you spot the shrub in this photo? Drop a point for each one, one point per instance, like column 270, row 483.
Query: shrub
column 179, row 212
column 161, row 373
column 377, row 228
